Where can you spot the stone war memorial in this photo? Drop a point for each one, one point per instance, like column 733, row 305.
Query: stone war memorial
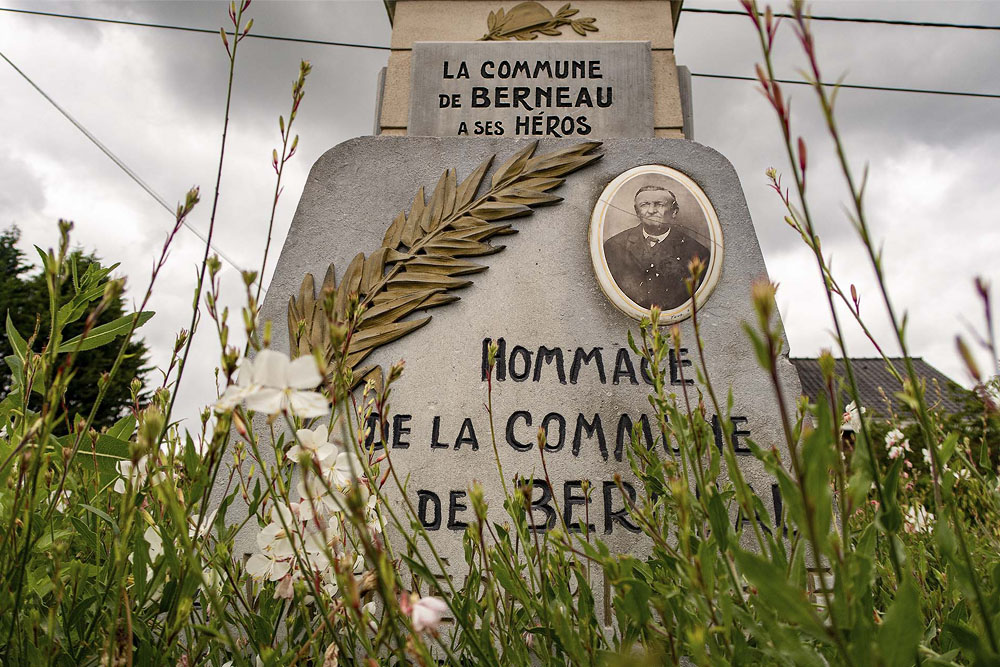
column 533, row 187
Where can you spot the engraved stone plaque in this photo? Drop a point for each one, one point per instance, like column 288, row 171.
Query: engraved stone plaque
column 563, row 364
column 544, row 89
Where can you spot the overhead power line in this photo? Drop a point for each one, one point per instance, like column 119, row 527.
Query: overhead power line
column 857, row 86
column 953, row 93
column 118, row 161
column 851, row 19
column 165, row 26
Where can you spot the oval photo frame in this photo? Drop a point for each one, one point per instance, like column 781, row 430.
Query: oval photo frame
column 642, row 261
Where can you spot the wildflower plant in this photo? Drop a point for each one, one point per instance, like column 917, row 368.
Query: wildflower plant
column 112, row 551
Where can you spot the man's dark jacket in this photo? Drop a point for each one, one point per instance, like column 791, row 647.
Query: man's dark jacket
column 653, row 275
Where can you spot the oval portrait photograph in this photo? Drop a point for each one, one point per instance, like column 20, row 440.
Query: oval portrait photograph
column 647, row 226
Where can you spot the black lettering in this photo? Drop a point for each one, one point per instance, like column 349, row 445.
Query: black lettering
column 435, row 432
column 720, row 441
column 425, row 498
column 542, row 503
column 480, row 97
column 620, row 517
column 500, row 361
column 521, row 125
column 579, row 69
column 677, row 362
column 503, row 70
column 372, row 428
column 580, row 357
column 570, row 500
column 543, row 66
column 594, row 71
column 559, row 419
column 568, row 125
column 644, row 371
column 583, row 98
column 738, row 446
column 562, row 97
column 625, row 428
column 552, row 127
column 545, row 355
column 487, row 65
column 624, row 367
column 583, row 128
column 603, row 102
column 520, row 69
column 463, row 71
column 454, row 507
column 520, row 95
column 525, row 355
column 399, row 430
column 463, row 128
column 541, row 93
column 500, row 95
column 563, row 71
column 467, row 436
column 778, row 509
column 582, row 425
column 511, row 440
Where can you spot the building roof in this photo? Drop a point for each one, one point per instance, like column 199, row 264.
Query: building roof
column 877, row 387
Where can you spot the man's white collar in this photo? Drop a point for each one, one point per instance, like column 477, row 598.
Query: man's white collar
column 654, row 239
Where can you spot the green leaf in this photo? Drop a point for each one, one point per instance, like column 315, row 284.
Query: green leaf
column 19, row 345
column 783, row 599
column 102, row 515
column 947, row 448
column 123, row 428
column 105, row 333
column 901, row 630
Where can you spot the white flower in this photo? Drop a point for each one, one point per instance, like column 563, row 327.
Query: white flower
column 427, row 613
column 368, row 611
column 963, row 474
column 917, row 519
column 62, row 500
column 155, row 542
column 346, row 468
column 235, row 393
column 263, row 567
column 272, row 383
column 851, row 420
column 312, row 442
column 206, row 524
column 136, row 474
column 285, row 588
column 927, row 455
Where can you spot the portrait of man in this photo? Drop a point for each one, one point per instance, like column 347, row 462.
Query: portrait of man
column 649, row 260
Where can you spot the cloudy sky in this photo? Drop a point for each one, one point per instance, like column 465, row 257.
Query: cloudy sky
column 155, row 98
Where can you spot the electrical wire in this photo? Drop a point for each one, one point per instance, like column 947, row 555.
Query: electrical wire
column 733, row 12
column 857, row 86
column 166, row 26
column 850, row 19
column 118, row 161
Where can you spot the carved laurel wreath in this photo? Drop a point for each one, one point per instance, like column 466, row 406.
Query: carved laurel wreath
column 420, row 260
column 527, row 20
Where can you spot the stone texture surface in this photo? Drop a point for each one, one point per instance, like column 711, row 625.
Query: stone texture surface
column 447, row 21
column 622, row 74
column 396, row 94
column 540, row 290
column 666, row 91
